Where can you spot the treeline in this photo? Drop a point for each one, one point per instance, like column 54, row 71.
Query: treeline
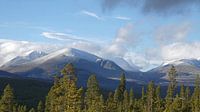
column 66, row 96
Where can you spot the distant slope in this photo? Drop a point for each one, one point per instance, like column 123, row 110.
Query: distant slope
column 187, row 69
column 7, row 74
column 48, row 65
column 27, row 91
column 30, row 56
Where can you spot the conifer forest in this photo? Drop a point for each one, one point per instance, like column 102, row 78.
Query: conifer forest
column 66, row 96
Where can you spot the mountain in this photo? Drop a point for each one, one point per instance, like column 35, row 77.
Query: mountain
column 125, row 65
column 50, row 64
column 187, row 69
column 28, row 57
column 7, row 74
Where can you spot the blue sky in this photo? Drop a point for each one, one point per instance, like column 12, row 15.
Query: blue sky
column 104, row 22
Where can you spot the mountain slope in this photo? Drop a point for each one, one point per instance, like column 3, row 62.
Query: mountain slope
column 30, row 56
column 48, row 65
column 187, row 69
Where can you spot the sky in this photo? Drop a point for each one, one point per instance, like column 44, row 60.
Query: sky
column 145, row 33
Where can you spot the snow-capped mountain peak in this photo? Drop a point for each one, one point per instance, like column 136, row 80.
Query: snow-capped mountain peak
column 68, row 52
column 27, row 57
column 193, row 62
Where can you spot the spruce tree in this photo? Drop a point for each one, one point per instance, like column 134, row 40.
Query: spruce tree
column 119, row 93
column 183, row 98
column 171, row 88
column 187, row 99
column 120, row 89
column 125, row 103
column 131, row 100
column 158, row 100
column 150, row 97
column 64, row 94
column 93, row 95
column 7, row 102
column 32, row 110
column 40, row 107
column 111, row 105
column 21, row 108
column 196, row 96
column 176, row 105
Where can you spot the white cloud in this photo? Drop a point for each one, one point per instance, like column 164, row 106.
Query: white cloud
column 171, row 38
column 91, row 14
column 122, row 18
column 125, row 38
column 172, row 33
column 61, row 36
column 177, row 51
column 9, row 49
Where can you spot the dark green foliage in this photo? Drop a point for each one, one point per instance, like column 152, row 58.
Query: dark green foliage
column 93, row 98
column 32, row 110
column 65, row 96
column 7, row 102
column 27, row 91
column 171, row 88
column 22, row 109
column 40, row 107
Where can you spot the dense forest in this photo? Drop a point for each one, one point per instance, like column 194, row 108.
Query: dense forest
column 66, row 96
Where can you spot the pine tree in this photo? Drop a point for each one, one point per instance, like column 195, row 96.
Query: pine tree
column 142, row 102
column 187, row 99
column 176, row 105
column 32, row 110
column 131, row 100
column 171, row 87
column 111, row 105
column 7, row 102
column 158, row 100
column 196, row 96
column 54, row 100
column 73, row 98
column 150, row 97
column 21, row 108
column 64, row 94
column 120, row 89
column 93, row 95
column 40, row 107
column 126, row 102
column 183, row 98
column 119, row 93
column 102, row 104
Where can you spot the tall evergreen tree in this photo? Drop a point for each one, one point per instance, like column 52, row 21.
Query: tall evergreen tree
column 171, row 88
column 40, row 107
column 93, row 95
column 65, row 95
column 111, row 105
column 131, row 100
column 125, row 103
column 183, row 98
column 32, row 110
column 119, row 93
column 7, row 102
column 150, row 97
column 158, row 100
column 21, row 108
column 196, row 96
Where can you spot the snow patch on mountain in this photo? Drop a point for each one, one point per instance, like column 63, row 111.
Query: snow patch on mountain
column 68, row 52
column 27, row 57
